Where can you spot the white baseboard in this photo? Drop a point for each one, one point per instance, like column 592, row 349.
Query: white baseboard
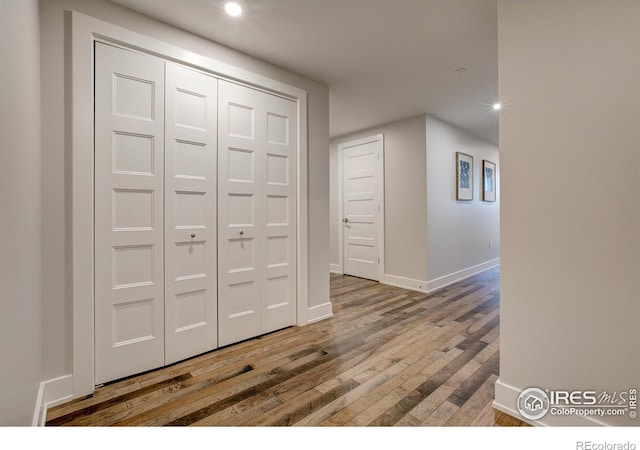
column 335, row 268
column 405, row 283
column 433, row 285
column 438, row 283
column 506, row 399
column 320, row 312
column 40, row 410
column 51, row 393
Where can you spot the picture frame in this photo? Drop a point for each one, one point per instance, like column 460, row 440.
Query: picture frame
column 489, row 185
column 464, row 176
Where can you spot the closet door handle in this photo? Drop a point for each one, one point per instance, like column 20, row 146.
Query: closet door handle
column 241, row 232
column 193, row 235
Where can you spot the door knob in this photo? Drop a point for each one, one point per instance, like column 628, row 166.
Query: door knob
column 345, row 220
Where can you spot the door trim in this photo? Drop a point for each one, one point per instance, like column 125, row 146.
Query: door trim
column 379, row 193
column 86, row 30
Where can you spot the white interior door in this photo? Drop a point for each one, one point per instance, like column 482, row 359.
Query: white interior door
column 362, row 207
column 190, row 213
column 256, row 212
column 129, row 241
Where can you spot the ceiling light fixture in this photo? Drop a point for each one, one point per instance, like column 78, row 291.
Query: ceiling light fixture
column 497, row 106
column 233, row 9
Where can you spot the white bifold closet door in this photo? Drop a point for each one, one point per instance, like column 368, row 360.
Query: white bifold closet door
column 190, row 213
column 155, row 227
column 129, row 197
column 257, row 142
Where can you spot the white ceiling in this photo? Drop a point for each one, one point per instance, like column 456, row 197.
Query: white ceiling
column 382, row 59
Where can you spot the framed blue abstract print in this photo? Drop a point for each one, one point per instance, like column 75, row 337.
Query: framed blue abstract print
column 489, row 186
column 464, row 176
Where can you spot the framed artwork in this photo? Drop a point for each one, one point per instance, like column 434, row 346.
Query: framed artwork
column 464, row 176
column 488, row 181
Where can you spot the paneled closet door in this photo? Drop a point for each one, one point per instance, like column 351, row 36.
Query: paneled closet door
column 256, row 212
column 278, row 261
column 190, row 213
column 129, row 241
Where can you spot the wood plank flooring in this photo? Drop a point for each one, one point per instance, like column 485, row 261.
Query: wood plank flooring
column 388, row 357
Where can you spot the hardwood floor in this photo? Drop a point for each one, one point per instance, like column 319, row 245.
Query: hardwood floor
column 389, row 357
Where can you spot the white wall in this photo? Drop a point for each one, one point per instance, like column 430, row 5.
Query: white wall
column 463, row 236
column 57, row 324
column 20, row 335
column 404, row 197
column 570, row 154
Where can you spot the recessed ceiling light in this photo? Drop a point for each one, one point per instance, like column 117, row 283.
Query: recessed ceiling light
column 233, row 9
column 497, row 106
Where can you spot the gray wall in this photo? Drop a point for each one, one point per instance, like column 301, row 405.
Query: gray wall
column 461, row 234
column 569, row 140
column 20, row 249
column 405, row 199
column 57, row 325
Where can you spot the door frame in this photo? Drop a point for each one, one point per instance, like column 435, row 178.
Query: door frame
column 379, row 138
column 85, row 31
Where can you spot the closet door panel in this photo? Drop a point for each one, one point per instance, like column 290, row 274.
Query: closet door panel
column 239, row 233
column 129, row 178
column 279, row 248
column 257, row 142
column 190, row 213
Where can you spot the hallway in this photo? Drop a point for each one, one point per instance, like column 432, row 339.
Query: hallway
column 389, row 356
